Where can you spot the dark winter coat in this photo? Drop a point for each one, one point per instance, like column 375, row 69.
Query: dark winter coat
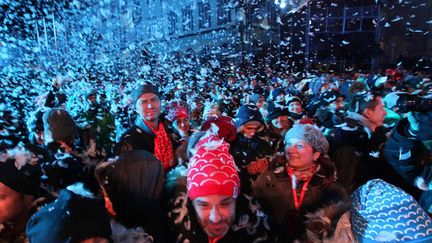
column 273, row 190
column 274, row 138
column 250, row 224
column 135, row 186
column 357, row 153
column 412, row 161
column 64, row 169
column 141, row 137
column 246, row 150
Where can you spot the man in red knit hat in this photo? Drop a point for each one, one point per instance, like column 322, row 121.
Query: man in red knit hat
column 213, row 186
column 208, row 206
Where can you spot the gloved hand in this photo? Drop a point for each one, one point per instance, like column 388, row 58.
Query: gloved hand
column 420, row 125
column 256, row 167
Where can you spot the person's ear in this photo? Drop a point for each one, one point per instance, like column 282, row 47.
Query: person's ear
column 367, row 112
column 316, row 155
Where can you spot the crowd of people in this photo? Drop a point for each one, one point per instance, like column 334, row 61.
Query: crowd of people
column 217, row 155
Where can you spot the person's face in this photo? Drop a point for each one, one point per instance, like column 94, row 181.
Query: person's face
column 148, row 107
column 281, row 122
column 376, row 115
column 295, row 107
column 13, row 205
column 181, row 124
column 92, row 99
column 102, row 99
column 199, row 105
column 325, row 87
column 299, row 154
column 249, row 129
column 215, row 214
column 280, row 98
column 39, row 137
column 338, row 104
column 260, row 102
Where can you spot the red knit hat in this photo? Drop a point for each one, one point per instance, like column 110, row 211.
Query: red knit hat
column 176, row 112
column 212, row 170
column 227, row 129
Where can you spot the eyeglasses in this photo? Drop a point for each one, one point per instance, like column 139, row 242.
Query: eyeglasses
column 298, row 145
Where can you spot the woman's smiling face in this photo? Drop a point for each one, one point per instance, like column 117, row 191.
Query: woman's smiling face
column 299, row 154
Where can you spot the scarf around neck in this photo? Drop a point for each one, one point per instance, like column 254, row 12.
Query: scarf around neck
column 163, row 149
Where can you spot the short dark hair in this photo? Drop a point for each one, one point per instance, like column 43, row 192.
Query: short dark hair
column 363, row 100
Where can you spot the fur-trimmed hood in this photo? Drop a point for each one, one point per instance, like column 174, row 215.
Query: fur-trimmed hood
column 329, row 224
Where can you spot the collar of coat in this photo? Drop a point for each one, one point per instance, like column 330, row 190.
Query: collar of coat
column 361, row 119
column 139, row 122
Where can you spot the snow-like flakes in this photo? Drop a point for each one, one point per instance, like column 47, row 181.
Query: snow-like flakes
column 77, row 46
column 79, row 189
column 21, row 156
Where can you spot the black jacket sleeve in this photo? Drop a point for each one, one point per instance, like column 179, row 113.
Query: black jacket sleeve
column 407, row 155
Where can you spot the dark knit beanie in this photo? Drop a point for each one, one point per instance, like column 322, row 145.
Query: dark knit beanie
column 362, row 100
column 292, row 99
column 145, row 88
column 254, row 98
column 137, row 176
column 70, row 218
column 248, row 113
column 275, row 93
column 275, row 110
column 19, row 170
column 60, row 124
column 329, row 97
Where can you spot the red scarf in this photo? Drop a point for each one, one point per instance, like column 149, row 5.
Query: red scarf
column 163, row 147
column 214, row 240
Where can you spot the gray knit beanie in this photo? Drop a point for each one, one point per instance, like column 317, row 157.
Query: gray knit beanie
column 311, row 134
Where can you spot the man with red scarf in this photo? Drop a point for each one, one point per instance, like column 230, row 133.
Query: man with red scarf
column 150, row 131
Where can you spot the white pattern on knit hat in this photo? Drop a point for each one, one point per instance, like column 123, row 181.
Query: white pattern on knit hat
column 383, row 212
column 212, row 170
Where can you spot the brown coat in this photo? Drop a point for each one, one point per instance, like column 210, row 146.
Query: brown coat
column 273, row 190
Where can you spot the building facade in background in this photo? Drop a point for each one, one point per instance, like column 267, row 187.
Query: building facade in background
column 234, row 31
column 300, row 34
